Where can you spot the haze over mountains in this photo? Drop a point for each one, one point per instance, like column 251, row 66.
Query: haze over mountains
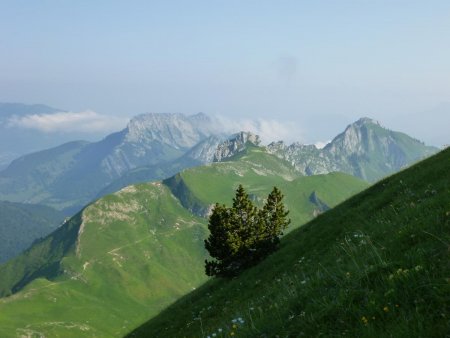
column 72, row 174
column 155, row 146
column 27, row 128
column 13, row 143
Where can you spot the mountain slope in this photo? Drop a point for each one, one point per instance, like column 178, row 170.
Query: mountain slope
column 71, row 175
column 201, row 153
column 130, row 254
column 365, row 149
column 155, row 146
column 21, row 224
column 375, row 266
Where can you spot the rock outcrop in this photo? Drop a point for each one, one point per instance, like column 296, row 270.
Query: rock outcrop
column 235, row 144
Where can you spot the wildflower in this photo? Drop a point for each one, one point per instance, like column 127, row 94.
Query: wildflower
column 219, row 330
column 231, row 333
column 234, row 320
column 418, row 268
column 234, row 326
column 364, row 320
column 348, row 274
column 386, row 309
column 396, row 305
column 303, row 282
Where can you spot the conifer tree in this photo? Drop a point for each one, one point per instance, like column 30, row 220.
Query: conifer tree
column 242, row 235
column 274, row 221
column 244, row 218
column 217, row 243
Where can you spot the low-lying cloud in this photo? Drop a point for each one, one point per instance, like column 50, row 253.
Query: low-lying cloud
column 268, row 130
column 70, row 122
column 320, row 144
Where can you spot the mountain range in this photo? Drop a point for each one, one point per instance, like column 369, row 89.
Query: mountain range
column 365, row 149
column 156, row 146
column 71, row 175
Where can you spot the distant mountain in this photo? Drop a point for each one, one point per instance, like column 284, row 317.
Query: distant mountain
column 8, row 110
column 130, row 254
column 21, row 224
column 201, row 153
column 365, row 149
column 156, row 146
column 71, row 175
column 14, row 142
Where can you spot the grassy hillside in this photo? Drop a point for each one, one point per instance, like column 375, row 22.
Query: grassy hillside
column 126, row 256
column 258, row 172
column 375, row 266
column 129, row 255
column 21, row 224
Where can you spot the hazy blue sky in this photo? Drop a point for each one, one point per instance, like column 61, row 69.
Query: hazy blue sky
column 313, row 65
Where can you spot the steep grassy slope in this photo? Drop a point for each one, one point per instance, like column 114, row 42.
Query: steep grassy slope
column 128, row 255
column 21, row 224
column 124, row 258
column 375, row 266
column 259, row 171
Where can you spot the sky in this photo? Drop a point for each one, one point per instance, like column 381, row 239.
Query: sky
column 309, row 68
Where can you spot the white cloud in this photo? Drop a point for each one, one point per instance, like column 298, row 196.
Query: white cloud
column 268, row 130
column 320, row 144
column 69, row 122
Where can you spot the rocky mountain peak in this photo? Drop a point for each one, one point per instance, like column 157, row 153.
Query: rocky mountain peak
column 177, row 130
column 365, row 149
column 364, row 121
column 235, row 144
column 358, row 138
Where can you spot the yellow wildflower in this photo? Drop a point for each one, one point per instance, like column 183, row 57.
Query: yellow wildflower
column 364, row 320
column 386, row 309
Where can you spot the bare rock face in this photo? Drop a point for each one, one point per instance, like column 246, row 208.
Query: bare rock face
column 235, row 144
column 205, row 150
column 177, row 130
column 154, row 138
